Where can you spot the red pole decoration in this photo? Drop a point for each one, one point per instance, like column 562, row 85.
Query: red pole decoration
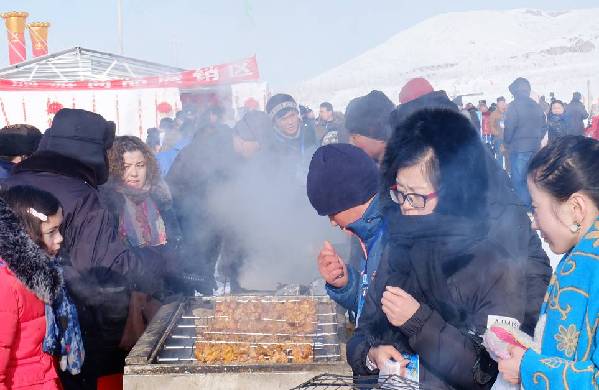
column 24, row 110
column 164, row 108
column 94, row 103
column 117, row 113
column 54, row 107
column 38, row 32
column 4, row 112
column 73, row 106
column 15, row 26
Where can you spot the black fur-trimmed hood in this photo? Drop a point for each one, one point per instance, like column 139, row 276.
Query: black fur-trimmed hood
column 25, row 259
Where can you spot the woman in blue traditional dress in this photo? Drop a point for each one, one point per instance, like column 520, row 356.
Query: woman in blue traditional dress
column 563, row 179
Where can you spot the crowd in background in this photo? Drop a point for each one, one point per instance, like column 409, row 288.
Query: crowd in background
column 97, row 231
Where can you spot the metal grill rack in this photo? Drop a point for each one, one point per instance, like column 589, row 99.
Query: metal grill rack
column 196, row 316
column 347, row 382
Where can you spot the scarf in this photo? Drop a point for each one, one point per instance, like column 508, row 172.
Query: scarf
column 63, row 334
column 141, row 223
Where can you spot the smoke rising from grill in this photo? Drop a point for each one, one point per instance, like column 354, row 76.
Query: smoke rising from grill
column 265, row 208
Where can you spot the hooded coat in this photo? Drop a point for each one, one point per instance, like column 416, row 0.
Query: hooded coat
column 509, row 223
column 27, row 283
column 524, row 120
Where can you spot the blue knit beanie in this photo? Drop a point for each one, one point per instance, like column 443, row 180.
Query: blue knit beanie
column 341, row 176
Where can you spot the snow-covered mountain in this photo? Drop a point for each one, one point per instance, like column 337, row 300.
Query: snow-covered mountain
column 474, row 52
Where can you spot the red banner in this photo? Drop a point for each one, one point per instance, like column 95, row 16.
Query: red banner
column 245, row 70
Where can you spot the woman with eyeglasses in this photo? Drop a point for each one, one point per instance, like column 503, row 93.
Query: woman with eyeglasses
column 442, row 279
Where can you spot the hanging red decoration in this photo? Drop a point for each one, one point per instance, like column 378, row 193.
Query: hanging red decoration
column 164, row 108
column 54, row 107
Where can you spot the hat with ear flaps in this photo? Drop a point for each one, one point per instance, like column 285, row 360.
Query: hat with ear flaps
column 81, row 135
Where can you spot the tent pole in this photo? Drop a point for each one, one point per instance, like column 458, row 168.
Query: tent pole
column 120, row 26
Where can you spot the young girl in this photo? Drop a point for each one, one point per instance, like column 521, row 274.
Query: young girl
column 38, row 319
column 564, row 184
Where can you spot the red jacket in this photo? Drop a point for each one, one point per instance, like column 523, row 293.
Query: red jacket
column 593, row 130
column 23, row 364
column 486, row 123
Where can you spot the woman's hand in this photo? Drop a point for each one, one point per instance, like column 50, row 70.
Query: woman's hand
column 398, row 305
column 379, row 355
column 510, row 368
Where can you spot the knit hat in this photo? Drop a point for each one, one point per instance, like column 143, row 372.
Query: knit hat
column 414, row 89
column 279, row 105
column 19, row 140
column 341, row 176
column 83, row 136
column 369, row 116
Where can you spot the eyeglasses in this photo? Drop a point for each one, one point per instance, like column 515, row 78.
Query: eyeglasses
column 417, row 201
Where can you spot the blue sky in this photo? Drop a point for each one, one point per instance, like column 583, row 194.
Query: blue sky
column 293, row 39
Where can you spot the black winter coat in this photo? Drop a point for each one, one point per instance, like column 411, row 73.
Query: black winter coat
column 557, row 126
column 509, row 223
column 524, row 120
column 460, row 277
column 576, row 113
column 102, row 269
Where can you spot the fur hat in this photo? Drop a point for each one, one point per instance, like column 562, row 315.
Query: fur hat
column 83, row 136
column 462, row 177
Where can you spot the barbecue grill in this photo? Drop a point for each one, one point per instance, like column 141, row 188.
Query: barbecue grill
column 166, row 356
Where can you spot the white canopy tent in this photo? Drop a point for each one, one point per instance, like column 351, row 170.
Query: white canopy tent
column 133, row 110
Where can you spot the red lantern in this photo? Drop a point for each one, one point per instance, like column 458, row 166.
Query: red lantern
column 54, row 107
column 164, row 108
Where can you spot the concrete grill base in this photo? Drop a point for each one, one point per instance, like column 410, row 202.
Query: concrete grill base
column 229, row 381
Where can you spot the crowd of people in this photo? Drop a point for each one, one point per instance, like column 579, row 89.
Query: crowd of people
column 97, row 231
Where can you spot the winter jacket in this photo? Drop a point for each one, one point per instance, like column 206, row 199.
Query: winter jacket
column 593, row 130
column 575, row 115
column 475, row 119
column 102, row 269
column 27, row 282
column 524, row 120
column 5, row 168
column 485, row 123
column 370, row 230
column 557, row 126
column 496, row 124
column 569, row 357
column 206, row 162
column 294, row 154
column 333, row 132
column 167, row 158
column 460, row 276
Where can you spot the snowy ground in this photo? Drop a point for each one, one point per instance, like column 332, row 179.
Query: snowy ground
column 473, row 52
